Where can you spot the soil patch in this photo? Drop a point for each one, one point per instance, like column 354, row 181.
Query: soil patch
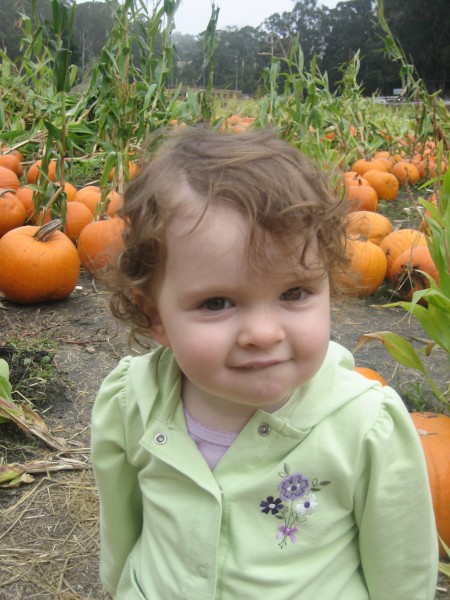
column 58, row 355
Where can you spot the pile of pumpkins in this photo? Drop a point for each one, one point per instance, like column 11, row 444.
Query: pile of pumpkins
column 376, row 252
column 41, row 256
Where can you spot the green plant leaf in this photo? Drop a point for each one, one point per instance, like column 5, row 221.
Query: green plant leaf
column 400, row 349
column 5, row 386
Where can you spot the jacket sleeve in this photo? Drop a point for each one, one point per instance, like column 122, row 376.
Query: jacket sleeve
column 116, row 478
column 393, row 508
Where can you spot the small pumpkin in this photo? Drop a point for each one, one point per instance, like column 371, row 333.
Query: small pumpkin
column 8, row 179
column 130, row 173
column 362, row 165
column 34, row 174
column 69, row 189
column 369, row 225
column 100, row 244
column 25, row 195
column 362, row 197
column 12, row 212
column 407, row 271
column 370, row 374
column 386, row 185
column 115, row 202
column 90, row 196
column 77, row 217
column 14, row 152
column 434, row 434
column 45, row 259
column 353, row 178
column 367, row 268
column 9, row 161
column 406, row 172
column 400, row 240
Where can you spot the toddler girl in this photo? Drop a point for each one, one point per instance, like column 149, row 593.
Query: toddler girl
column 242, row 458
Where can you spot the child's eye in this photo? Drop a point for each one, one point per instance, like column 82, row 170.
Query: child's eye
column 294, row 294
column 216, row 304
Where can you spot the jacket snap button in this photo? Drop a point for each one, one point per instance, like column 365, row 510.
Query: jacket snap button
column 160, row 438
column 203, row 572
column 264, row 429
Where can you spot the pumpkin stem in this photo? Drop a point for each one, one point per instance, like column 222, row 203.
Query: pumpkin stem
column 4, row 191
column 424, row 433
column 46, row 230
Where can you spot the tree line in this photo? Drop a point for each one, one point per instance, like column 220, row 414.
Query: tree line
column 327, row 38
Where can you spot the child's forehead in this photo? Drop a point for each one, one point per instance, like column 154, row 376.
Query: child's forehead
column 200, row 232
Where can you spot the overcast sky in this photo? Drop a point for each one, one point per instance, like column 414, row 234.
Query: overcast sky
column 193, row 15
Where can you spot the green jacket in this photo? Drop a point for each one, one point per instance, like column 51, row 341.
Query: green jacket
column 326, row 499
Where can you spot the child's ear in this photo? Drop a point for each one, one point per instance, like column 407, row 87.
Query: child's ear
column 157, row 328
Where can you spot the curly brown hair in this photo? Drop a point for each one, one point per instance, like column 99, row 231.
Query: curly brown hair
column 271, row 182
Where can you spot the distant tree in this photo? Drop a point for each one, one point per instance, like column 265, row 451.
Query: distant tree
column 423, row 31
column 11, row 12
column 350, row 27
column 93, row 20
column 237, row 58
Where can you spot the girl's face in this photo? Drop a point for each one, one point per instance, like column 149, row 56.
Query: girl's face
column 244, row 337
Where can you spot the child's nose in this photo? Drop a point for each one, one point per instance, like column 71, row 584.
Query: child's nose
column 260, row 329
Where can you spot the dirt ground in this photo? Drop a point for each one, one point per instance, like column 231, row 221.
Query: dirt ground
column 49, row 528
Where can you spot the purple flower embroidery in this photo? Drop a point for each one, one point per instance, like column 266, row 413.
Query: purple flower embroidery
column 293, row 486
column 287, row 532
column 297, row 502
column 306, row 506
column 271, row 505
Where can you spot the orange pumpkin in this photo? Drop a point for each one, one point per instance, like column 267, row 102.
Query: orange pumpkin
column 99, row 244
column 400, row 240
column 25, row 195
column 362, row 165
column 370, row 374
column 367, row 268
column 406, row 271
column 115, row 202
column 46, row 260
column 406, row 172
column 369, row 225
column 353, row 178
column 77, row 217
column 34, row 173
column 69, row 189
column 386, row 185
column 434, row 434
column 15, row 152
column 132, row 171
column 8, row 179
column 90, row 196
column 429, row 168
column 9, row 161
column 362, row 197
column 12, row 212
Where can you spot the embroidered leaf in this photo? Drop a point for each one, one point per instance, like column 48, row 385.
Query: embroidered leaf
column 280, row 517
column 287, row 468
column 325, row 483
column 282, row 474
column 314, row 489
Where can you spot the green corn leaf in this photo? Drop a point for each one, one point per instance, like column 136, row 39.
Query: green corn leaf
column 404, row 353
column 400, row 349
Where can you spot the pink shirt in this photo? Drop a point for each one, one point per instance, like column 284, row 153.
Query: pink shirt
column 212, row 443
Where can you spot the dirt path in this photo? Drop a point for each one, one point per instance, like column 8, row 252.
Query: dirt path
column 48, row 529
